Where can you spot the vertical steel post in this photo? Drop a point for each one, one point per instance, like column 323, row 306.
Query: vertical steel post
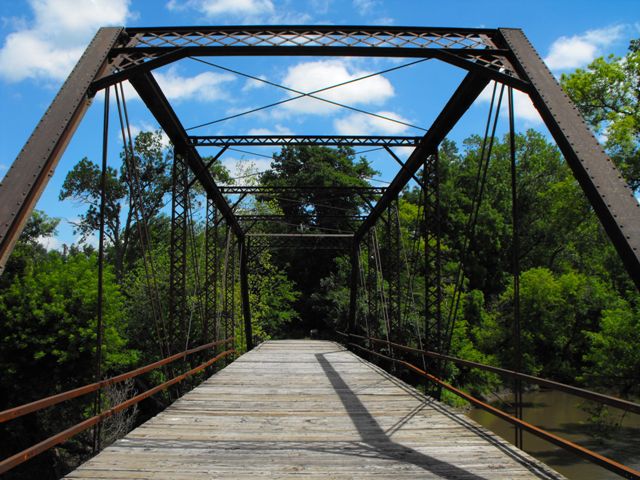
column 226, row 302
column 370, row 285
column 433, row 261
column 516, row 269
column 97, row 407
column 211, row 273
column 353, row 288
column 398, row 268
column 178, row 249
column 432, row 252
column 233, row 292
column 244, row 291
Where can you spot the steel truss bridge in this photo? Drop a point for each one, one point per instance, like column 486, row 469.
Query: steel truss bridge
column 502, row 55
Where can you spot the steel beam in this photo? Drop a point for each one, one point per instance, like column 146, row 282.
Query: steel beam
column 323, row 140
column 469, row 89
column 277, row 190
column 613, row 201
column 28, row 176
column 244, row 292
column 158, row 105
column 178, row 314
column 353, row 287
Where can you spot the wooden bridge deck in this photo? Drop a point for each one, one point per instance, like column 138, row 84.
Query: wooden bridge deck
column 314, row 410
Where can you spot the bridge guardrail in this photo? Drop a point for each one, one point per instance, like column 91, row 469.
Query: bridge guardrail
column 16, row 412
column 583, row 452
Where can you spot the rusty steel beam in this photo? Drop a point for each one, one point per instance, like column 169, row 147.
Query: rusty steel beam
column 244, row 292
column 30, row 172
column 323, row 140
column 466, row 93
column 159, row 106
column 612, row 199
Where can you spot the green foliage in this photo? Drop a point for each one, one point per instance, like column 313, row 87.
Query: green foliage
column 145, row 188
column 607, row 93
column 614, row 352
column 315, row 211
column 271, row 297
column 558, row 312
column 48, row 307
column 51, row 339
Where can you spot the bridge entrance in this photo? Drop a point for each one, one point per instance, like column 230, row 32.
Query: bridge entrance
column 317, row 408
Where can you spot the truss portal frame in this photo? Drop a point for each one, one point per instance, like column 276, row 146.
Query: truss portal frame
column 504, row 55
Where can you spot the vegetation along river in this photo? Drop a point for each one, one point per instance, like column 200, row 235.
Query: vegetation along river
column 566, row 415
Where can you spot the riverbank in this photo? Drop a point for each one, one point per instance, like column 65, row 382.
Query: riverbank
column 565, row 415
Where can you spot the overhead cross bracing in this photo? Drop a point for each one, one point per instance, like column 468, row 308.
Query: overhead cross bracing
column 501, row 55
column 504, row 55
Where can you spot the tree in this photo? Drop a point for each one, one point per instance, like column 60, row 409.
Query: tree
column 316, row 210
column 614, row 352
column 143, row 188
column 557, row 313
column 607, row 94
column 271, row 297
column 49, row 344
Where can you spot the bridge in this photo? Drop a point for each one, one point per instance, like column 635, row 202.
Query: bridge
column 339, row 408
column 309, row 408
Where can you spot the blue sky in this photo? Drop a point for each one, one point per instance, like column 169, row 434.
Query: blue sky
column 40, row 40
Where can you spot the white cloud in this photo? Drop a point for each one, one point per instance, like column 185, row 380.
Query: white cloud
column 311, row 76
column 147, row 127
column 277, row 130
column 225, row 8
column 50, row 45
column 245, row 171
column 365, row 6
column 50, row 243
column 361, row 124
column 579, row 50
column 204, row 86
column 523, row 108
column 321, row 6
column 245, row 11
column 252, row 84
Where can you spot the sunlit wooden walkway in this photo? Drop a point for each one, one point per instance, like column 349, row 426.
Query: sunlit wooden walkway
column 314, row 410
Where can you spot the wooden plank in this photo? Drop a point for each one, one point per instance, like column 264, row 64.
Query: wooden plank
column 309, row 408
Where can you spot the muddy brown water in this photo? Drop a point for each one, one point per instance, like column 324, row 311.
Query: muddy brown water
column 561, row 413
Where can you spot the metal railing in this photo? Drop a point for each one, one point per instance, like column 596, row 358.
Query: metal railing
column 16, row 412
column 583, row 452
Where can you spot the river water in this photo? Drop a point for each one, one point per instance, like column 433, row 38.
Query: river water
column 560, row 413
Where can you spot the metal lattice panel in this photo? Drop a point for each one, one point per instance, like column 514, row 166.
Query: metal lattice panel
column 373, row 37
column 324, row 140
column 278, row 190
column 302, row 241
column 178, row 249
column 480, row 47
column 211, row 272
column 432, row 255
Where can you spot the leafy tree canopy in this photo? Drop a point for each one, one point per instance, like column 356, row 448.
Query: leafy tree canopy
column 607, row 93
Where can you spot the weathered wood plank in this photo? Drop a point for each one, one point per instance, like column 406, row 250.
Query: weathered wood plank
column 309, row 409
